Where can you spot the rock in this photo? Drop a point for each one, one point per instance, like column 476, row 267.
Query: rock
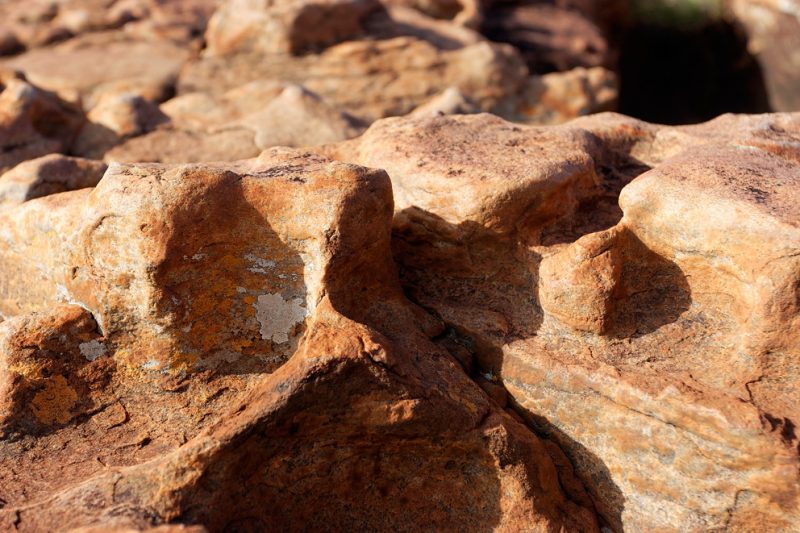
column 385, row 77
column 37, row 23
column 52, row 369
column 83, row 68
column 773, row 31
column 34, row 251
column 365, row 403
column 202, row 110
column 486, row 163
column 255, row 116
column 33, row 122
column 561, row 96
column 262, row 26
column 46, row 175
column 578, row 284
column 592, row 316
column 239, row 124
column 299, row 118
column 463, row 12
column 403, row 60
column 173, row 145
column 449, row 102
column 113, row 119
column 551, row 39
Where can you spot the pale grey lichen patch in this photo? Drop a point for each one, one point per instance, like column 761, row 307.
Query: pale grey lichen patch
column 92, row 350
column 261, row 264
column 150, row 365
column 278, row 317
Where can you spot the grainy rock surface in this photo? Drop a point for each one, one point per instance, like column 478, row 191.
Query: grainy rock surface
column 270, row 265
column 655, row 342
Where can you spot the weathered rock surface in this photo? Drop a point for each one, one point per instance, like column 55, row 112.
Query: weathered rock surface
column 35, row 23
column 115, row 118
column 47, row 175
column 399, row 60
column 33, row 122
column 269, row 265
column 172, row 300
column 82, row 69
column 239, row 124
column 773, row 31
column 593, row 316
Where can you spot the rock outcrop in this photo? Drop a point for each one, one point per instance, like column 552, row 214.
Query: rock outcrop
column 273, row 265
column 33, row 122
column 594, row 316
column 300, row 308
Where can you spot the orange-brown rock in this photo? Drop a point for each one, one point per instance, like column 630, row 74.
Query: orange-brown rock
column 33, row 122
column 83, row 68
column 52, row 369
column 114, row 118
column 400, row 60
column 47, row 175
column 336, row 401
column 773, row 37
column 293, row 26
column 654, row 340
column 239, row 124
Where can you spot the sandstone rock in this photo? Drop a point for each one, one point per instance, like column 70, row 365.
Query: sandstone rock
column 561, row 96
column 82, row 68
column 298, row 118
column 264, row 26
column 773, row 29
column 449, row 102
column 239, row 124
column 115, row 118
column 463, row 12
column 486, row 162
column 550, row 38
column 33, row 122
column 48, row 175
column 366, row 409
column 202, row 110
column 52, row 369
column 36, row 23
column 403, row 60
column 593, row 317
column 385, row 77
column 174, row 145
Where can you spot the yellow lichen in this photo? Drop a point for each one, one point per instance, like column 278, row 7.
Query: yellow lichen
column 53, row 404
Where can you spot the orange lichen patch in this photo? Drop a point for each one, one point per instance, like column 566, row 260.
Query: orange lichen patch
column 53, row 404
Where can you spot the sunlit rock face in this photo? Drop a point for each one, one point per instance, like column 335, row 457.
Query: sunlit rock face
column 634, row 287
column 211, row 318
column 355, row 265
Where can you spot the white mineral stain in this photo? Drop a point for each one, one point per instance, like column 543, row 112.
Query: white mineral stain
column 261, row 263
column 152, row 363
column 278, row 316
column 92, row 350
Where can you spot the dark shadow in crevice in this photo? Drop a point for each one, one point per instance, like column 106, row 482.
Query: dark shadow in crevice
column 681, row 75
